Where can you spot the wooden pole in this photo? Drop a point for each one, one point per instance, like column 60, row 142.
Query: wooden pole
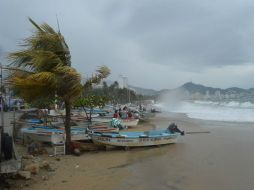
column 2, row 101
column 2, row 118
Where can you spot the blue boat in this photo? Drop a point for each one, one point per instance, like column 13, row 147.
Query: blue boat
column 138, row 138
column 34, row 121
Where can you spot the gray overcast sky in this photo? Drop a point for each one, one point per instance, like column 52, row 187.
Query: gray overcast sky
column 155, row 43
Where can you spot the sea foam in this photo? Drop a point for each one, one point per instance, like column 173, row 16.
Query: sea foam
column 208, row 110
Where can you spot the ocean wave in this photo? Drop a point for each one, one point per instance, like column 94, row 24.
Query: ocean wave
column 233, row 104
column 207, row 110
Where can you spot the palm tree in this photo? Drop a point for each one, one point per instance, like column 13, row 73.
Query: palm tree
column 43, row 70
column 105, row 88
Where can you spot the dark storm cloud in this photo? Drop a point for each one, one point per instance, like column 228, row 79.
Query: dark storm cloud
column 194, row 39
column 196, row 33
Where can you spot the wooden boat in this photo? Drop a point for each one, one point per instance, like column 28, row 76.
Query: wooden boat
column 104, row 129
column 138, row 139
column 144, row 115
column 96, row 111
column 79, row 133
column 42, row 135
column 34, row 121
column 82, row 116
column 102, row 119
column 51, row 134
column 109, row 127
column 129, row 122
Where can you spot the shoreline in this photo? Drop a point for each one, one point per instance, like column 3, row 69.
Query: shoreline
column 221, row 159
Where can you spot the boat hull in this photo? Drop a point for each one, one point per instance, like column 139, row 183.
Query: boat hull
column 53, row 135
column 44, row 137
column 133, row 142
column 129, row 122
column 105, row 130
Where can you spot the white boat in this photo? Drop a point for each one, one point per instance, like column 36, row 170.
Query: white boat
column 129, row 122
column 104, row 129
column 113, row 126
column 41, row 135
column 79, row 133
column 52, row 135
column 137, row 139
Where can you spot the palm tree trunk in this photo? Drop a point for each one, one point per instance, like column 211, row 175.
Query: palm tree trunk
column 67, row 126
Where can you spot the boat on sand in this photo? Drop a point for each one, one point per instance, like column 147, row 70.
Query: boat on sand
column 109, row 127
column 130, row 122
column 51, row 134
column 138, row 138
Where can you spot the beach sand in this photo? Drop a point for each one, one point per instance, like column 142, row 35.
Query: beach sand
column 221, row 159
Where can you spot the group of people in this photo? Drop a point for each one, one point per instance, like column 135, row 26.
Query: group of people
column 123, row 113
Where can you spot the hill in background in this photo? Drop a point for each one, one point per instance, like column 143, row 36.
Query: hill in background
column 192, row 91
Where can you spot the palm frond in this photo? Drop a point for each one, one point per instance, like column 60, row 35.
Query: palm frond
column 34, row 23
column 48, row 29
column 102, row 73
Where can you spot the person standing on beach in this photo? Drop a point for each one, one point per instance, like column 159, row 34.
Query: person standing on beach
column 129, row 114
column 116, row 114
column 120, row 113
column 124, row 112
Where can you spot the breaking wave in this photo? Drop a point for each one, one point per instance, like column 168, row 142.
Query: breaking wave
column 208, row 110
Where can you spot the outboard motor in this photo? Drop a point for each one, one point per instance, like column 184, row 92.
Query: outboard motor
column 174, row 129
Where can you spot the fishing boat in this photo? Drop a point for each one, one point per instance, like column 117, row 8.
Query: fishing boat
column 34, row 121
column 36, row 133
column 104, row 129
column 145, row 115
column 51, row 134
column 96, row 111
column 109, row 127
column 138, row 139
column 82, row 117
column 124, row 122
column 131, row 122
column 102, row 119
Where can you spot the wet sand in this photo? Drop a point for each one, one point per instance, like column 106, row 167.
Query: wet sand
column 221, row 159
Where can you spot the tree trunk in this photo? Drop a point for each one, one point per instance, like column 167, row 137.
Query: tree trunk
column 67, row 125
column 90, row 117
column 87, row 118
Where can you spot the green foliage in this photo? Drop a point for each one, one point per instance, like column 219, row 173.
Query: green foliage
column 102, row 73
column 91, row 101
column 42, row 70
column 119, row 95
column 43, row 67
column 42, row 103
